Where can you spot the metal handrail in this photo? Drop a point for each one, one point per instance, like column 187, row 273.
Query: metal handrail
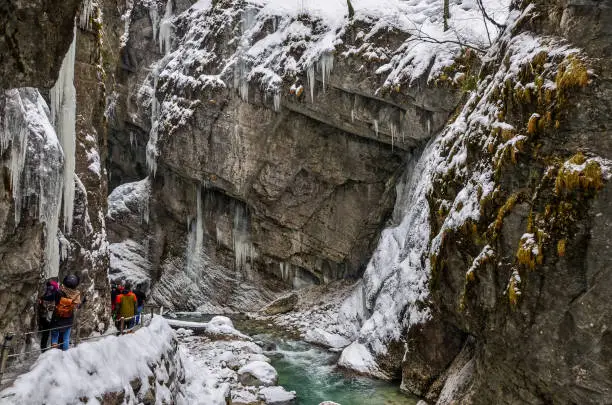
column 11, row 337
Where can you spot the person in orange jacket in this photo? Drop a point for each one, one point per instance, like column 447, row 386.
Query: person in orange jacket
column 125, row 306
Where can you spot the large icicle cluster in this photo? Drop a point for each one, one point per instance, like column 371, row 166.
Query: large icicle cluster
column 35, row 163
column 63, row 115
column 165, row 30
column 272, row 30
column 241, row 237
column 87, row 11
column 151, row 151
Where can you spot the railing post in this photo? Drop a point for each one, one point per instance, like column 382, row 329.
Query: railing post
column 77, row 331
column 4, row 354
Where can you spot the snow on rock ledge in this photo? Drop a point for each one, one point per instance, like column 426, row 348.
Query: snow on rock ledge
column 117, row 369
column 258, row 373
column 218, row 327
column 321, row 337
column 358, row 358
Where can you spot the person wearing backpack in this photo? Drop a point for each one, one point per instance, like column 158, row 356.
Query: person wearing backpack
column 67, row 300
column 46, row 307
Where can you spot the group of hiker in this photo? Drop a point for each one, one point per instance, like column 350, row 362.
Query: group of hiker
column 127, row 304
column 58, row 304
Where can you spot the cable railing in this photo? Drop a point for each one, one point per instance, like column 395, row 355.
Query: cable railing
column 14, row 360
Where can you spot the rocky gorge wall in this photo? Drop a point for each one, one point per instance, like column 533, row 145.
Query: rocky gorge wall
column 284, row 187
column 522, row 280
column 248, row 151
column 54, row 193
column 473, row 293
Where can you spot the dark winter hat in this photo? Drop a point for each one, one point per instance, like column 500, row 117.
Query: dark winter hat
column 71, row 281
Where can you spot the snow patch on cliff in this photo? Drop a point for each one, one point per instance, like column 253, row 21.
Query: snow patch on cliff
column 269, row 41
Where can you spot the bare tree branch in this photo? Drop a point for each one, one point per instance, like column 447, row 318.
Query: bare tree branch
column 501, row 27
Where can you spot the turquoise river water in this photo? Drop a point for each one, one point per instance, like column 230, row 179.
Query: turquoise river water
column 311, row 371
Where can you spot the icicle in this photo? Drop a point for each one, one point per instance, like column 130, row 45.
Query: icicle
column 63, row 115
column 277, row 100
column 376, row 127
column 86, row 14
column 146, row 201
column 165, row 30
column 195, row 245
column 393, row 129
column 310, row 72
column 326, row 65
column 154, row 15
column 352, row 115
column 15, row 135
column 287, row 273
column 244, row 90
column 151, row 152
column 243, row 248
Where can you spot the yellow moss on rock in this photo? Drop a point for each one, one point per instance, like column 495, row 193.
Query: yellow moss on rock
column 503, row 211
column 561, row 245
column 513, row 289
column 579, row 173
column 532, row 125
column 530, row 253
column 572, row 73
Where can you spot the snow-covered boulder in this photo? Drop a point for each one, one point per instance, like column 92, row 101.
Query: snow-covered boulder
column 244, row 397
column 220, row 327
column 321, row 337
column 281, row 305
column 357, row 357
column 277, row 396
column 258, row 373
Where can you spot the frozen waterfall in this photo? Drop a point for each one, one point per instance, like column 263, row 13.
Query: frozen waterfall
column 63, row 116
column 151, row 152
column 36, row 164
column 396, row 279
column 196, row 237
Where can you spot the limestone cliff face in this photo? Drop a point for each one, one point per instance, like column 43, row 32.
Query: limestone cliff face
column 35, row 234
column 34, row 37
column 524, row 283
column 295, row 183
column 30, row 153
column 267, row 167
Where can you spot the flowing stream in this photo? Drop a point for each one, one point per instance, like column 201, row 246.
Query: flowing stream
column 311, row 371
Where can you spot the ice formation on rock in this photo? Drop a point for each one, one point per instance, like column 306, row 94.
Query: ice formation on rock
column 165, row 30
column 35, row 163
column 241, row 237
column 87, row 10
column 196, row 237
column 151, row 152
column 63, row 116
